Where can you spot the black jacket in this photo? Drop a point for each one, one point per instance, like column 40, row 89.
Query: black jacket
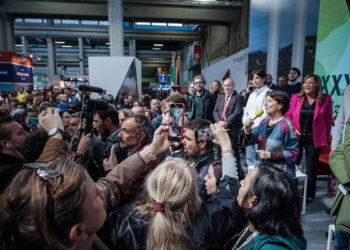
column 218, row 219
column 207, row 105
column 9, row 167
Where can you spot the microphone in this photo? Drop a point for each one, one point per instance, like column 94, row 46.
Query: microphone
column 90, row 88
column 258, row 113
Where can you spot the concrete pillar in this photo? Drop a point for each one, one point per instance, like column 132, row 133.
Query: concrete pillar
column 51, row 60
column 273, row 39
column 116, row 32
column 299, row 34
column 25, row 50
column 132, row 47
column 81, row 56
column 7, row 39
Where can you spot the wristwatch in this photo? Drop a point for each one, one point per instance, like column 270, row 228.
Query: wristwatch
column 54, row 131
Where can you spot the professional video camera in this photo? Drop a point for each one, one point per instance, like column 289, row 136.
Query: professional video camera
column 89, row 109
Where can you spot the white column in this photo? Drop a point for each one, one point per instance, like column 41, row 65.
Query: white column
column 81, row 56
column 25, row 50
column 299, row 34
column 116, row 32
column 273, row 39
column 51, row 60
column 132, row 47
column 7, row 40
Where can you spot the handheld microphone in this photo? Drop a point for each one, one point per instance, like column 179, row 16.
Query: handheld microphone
column 258, row 113
column 90, row 88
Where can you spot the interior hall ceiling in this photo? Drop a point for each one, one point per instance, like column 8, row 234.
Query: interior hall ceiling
column 222, row 12
column 133, row 10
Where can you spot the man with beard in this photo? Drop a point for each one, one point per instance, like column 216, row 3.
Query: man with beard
column 201, row 103
column 292, row 86
column 199, row 152
column 135, row 134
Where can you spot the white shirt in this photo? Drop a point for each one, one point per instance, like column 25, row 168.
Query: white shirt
column 256, row 101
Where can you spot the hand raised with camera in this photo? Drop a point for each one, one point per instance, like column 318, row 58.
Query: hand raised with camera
column 84, row 143
column 50, row 119
column 221, row 136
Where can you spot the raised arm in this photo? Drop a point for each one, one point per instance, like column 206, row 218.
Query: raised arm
column 222, row 138
column 122, row 175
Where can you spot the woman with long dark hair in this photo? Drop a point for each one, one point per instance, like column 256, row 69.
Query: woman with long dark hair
column 310, row 112
column 270, row 200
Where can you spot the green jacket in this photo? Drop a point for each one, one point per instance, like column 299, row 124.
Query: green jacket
column 276, row 242
column 339, row 162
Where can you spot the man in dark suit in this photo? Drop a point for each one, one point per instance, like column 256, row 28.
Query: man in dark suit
column 228, row 112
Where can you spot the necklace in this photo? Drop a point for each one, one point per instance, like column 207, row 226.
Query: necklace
column 247, row 241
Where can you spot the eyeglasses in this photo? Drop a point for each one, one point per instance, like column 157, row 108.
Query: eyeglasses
column 198, row 82
column 47, row 174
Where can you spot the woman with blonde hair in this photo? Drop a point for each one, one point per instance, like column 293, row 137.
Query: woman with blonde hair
column 170, row 215
column 216, row 89
column 310, row 112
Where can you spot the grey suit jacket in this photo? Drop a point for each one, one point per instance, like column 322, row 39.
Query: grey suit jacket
column 234, row 112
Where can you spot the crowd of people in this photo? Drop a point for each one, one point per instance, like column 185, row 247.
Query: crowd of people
column 78, row 173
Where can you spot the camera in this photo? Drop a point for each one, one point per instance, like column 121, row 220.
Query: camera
column 89, row 109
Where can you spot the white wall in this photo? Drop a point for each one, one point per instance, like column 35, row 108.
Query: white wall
column 110, row 72
column 238, row 66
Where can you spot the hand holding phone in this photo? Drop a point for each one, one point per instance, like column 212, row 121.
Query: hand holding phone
column 204, row 135
column 176, row 122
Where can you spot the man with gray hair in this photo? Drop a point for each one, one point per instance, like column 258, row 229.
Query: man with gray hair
column 136, row 133
column 201, row 103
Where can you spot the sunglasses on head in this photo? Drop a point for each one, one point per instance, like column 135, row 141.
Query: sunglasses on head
column 46, row 175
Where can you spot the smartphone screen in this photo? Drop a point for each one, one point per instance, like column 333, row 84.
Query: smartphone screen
column 176, row 122
column 33, row 120
column 204, row 135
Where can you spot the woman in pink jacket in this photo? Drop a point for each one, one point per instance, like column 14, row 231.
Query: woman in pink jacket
column 310, row 112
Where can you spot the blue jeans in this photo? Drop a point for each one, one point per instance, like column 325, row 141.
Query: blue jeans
column 250, row 152
column 342, row 240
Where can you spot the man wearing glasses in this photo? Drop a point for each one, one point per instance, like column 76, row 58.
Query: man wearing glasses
column 200, row 103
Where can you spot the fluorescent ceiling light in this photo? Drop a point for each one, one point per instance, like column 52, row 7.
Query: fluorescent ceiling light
column 107, row 43
column 158, row 45
column 66, row 46
column 159, row 24
column 156, row 48
column 18, row 45
column 60, row 42
column 175, row 24
column 142, row 23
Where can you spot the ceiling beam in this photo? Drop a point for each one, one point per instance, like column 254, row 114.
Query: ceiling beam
column 139, row 10
column 102, row 32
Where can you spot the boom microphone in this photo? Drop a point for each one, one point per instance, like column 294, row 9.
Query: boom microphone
column 90, row 88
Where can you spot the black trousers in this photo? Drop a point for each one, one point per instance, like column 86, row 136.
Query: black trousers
column 311, row 158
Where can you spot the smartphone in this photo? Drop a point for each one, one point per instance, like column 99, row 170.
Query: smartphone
column 204, row 135
column 33, row 120
column 176, row 122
